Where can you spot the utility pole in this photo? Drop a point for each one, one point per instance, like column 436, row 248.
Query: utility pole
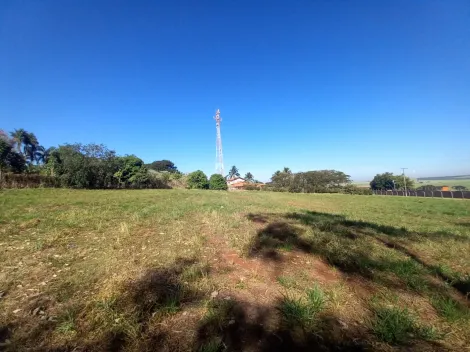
column 219, row 157
column 404, row 179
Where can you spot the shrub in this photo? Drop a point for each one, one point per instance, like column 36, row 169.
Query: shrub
column 10, row 180
column 351, row 189
column 198, row 180
column 217, row 182
column 251, row 188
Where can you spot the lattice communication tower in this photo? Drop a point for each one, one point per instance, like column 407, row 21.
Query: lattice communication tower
column 219, row 156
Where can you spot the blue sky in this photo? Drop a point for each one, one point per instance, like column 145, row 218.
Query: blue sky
column 358, row 86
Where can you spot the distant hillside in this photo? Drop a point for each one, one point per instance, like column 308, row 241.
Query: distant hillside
column 461, row 177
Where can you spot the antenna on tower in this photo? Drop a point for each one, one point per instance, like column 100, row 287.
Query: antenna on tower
column 219, row 157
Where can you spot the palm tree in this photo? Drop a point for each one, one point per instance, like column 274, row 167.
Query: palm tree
column 233, row 172
column 30, row 148
column 249, row 177
column 18, row 136
column 40, row 155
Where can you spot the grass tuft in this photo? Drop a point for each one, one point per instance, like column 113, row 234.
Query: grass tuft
column 450, row 309
column 316, row 298
column 302, row 311
column 218, row 313
column 397, row 326
column 285, row 281
column 195, row 272
column 211, row 346
column 67, row 323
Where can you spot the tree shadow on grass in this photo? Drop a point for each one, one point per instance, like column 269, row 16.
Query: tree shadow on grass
column 338, row 224
column 127, row 320
column 366, row 250
column 245, row 326
column 349, row 246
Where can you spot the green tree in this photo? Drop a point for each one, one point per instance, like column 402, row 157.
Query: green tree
column 5, row 149
column 249, row 177
column 319, row 181
column 400, row 182
column 281, row 180
column 217, row 182
column 460, row 188
column 163, row 165
column 16, row 162
column 233, row 172
column 388, row 180
column 84, row 166
column 10, row 160
column 130, row 171
column 198, row 179
column 383, row 181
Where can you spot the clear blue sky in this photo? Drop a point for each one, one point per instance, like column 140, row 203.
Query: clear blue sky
column 358, row 86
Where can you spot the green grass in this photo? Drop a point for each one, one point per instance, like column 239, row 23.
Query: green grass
column 303, row 311
column 133, row 269
column 450, row 309
column 286, row 281
column 211, row 346
column 397, row 326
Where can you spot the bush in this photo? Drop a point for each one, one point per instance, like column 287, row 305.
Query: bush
column 351, row 189
column 10, row 180
column 251, row 188
column 198, row 180
column 217, row 182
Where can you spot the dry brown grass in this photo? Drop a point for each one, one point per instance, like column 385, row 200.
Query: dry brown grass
column 185, row 270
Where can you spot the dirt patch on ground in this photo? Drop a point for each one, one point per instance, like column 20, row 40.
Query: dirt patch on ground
column 255, row 279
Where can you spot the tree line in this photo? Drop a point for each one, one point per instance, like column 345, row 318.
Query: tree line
column 78, row 165
column 96, row 166
column 93, row 166
column 317, row 181
column 389, row 181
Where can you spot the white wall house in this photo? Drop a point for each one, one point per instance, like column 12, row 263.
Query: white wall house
column 235, row 180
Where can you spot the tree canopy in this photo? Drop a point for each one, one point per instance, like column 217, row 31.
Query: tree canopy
column 309, row 181
column 10, row 159
column 388, row 180
column 233, row 172
column 217, row 182
column 77, row 165
column 198, row 180
column 163, row 165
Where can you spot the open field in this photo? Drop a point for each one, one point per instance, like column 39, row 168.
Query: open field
column 450, row 183
column 184, row 270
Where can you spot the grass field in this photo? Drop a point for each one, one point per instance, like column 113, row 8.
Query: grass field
column 450, row 183
column 180, row 270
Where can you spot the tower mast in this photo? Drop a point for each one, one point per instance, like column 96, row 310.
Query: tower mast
column 219, row 157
